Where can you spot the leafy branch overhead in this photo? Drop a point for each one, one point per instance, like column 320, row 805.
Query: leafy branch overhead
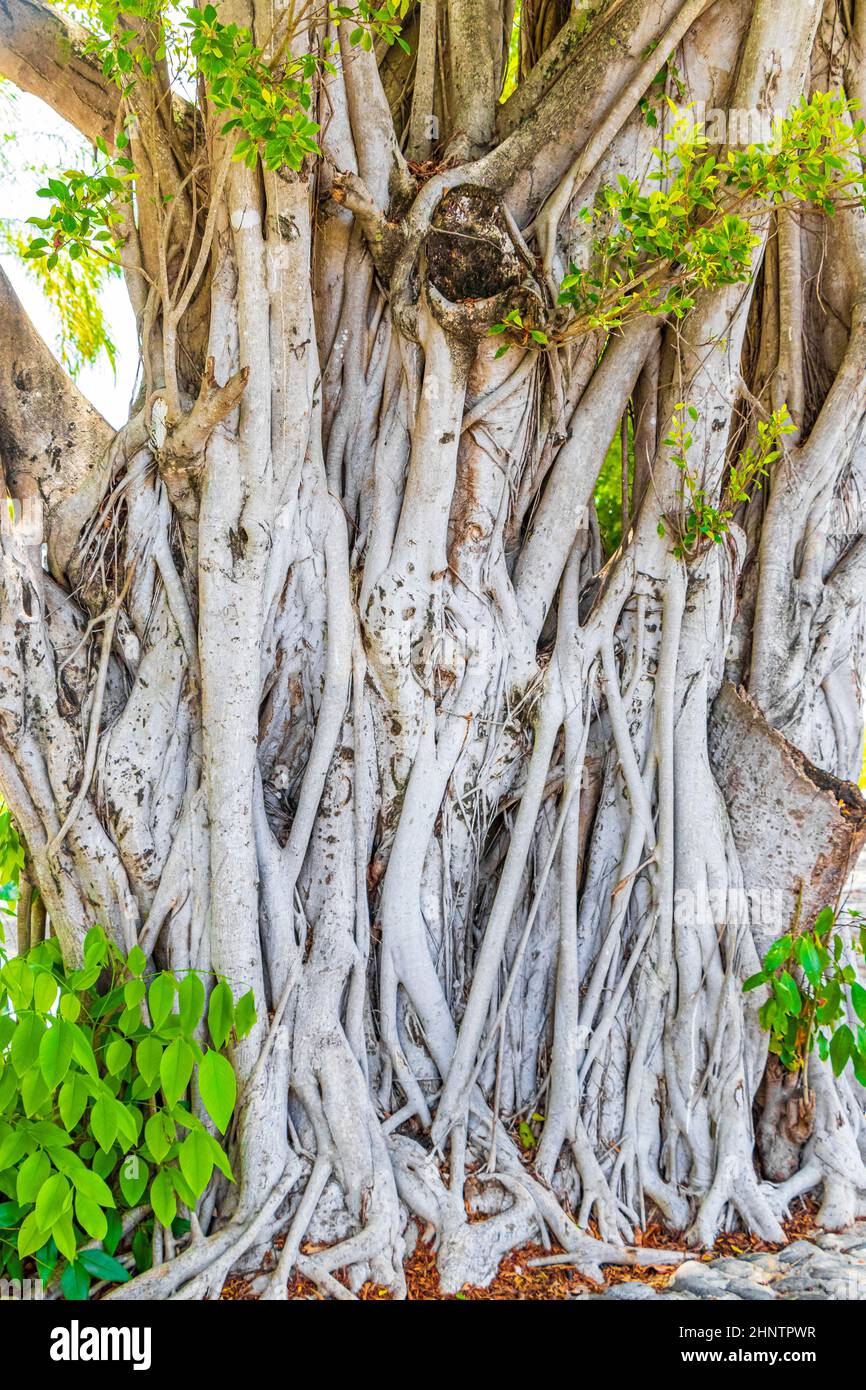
column 657, row 248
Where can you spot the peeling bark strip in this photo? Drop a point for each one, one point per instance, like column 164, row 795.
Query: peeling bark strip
column 770, row 786
column 341, row 682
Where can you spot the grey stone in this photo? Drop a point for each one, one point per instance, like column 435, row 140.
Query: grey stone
column 703, row 1287
column 748, row 1289
column 632, row 1289
column 793, row 1254
column 799, row 1286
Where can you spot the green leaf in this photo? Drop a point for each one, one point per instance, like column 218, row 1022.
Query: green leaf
column 858, row 999
column 128, row 1123
column 133, row 993
column 55, row 1052
column 82, row 1051
column 90, row 1216
column 44, row 992
column 72, row 1100
column 54, row 1198
column 103, row 1123
column 148, row 1055
column 824, row 921
column 92, row 1186
column 34, row 1171
column 161, row 998
column 175, row 1069
column 142, row 1251
column 103, row 1266
column 25, row 1043
column 218, row 1087
column 788, row 994
column 10, row 1214
column 196, row 1161
column 220, row 1014
column 136, row 961
column 134, row 1174
column 35, row 1094
column 31, row 1236
column 754, row 982
column 190, row 1002
column 220, row 1157
column 841, row 1047
column 70, row 1007
column 63, row 1234
column 162, row 1198
column 13, row 1147
column 158, row 1135
column 75, row 1281
column 117, row 1056
column 245, row 1014
column 779, row 951
column 810, row 961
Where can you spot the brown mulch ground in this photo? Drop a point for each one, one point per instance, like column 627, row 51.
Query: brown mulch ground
column 516, row 1281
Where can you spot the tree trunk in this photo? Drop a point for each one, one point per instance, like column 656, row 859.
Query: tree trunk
column 327, row 683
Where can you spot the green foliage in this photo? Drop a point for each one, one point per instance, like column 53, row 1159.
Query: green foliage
column 519, row 331
column 11, row 862
column 608, row 489
column 265, row 90
column 268, row 97
column 667, row 73
column 658, row 248
column 812, row 985
column 85, row 216
column 268, row 101
column 704, row 523
column 690, row 232
column 97, row 1073
column 512, row 68
column 72, row 288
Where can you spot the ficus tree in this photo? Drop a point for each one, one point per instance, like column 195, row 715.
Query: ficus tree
column 320, row 675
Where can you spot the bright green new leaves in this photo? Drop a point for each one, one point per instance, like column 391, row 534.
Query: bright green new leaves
column 55, row 1052
column 161, row 998
column 810, row 979
column 103, row 1123
column 90, row 1216
column 34, row 1171
column 26, row 1042
column 159, row 1135
column 245, row 1015
column 117, row 1056
column 134, row 1174
column 84, row 216
column 99, row 1067
column 701, row 522
column 658, row 247
column 162, row 1197
column 267, row 99
column 220, row 1014
column 190, row 999
column 148, row 1055
column 175, row 1070
column 218, row 1088
column 196, row 1160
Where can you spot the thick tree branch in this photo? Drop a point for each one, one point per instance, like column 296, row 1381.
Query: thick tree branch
column 53, row 444
column 44, row 53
